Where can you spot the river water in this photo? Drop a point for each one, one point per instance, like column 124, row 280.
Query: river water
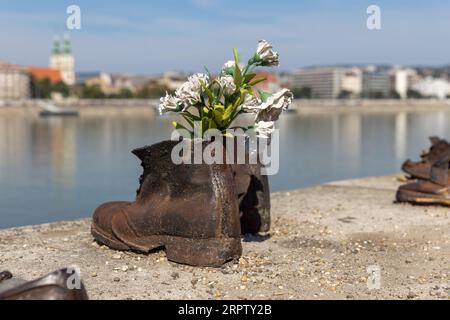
column 54, row 169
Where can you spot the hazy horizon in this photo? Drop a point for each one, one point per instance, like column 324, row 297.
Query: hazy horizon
column 141, row 37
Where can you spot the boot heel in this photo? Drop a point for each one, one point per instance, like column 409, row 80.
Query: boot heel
column 203, row 252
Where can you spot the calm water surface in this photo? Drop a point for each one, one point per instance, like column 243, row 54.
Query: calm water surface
column 61, row 169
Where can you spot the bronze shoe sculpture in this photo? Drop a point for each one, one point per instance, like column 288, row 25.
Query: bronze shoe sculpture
column 55, row 286
column 190, row 210
column 422, row 169
column 252, row 187
column 435, row 190
column 253, row 197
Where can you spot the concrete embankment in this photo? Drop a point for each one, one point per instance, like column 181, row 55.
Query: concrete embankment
column 323, row 242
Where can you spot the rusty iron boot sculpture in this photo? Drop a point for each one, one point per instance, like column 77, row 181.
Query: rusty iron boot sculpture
column 434, row 191
column 422, row 169
column 253, row 197
column 252, row 186
column 190, row 210
column 51, row 287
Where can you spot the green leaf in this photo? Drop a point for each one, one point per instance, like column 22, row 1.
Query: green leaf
column 228, row 115
column 209, row 93
column 236, row 57
column 212, row 124
column 245, row 91
column 238, row 79
column 218, row 113
column 255, row 82
column 207, row 71
column 255, row 59
column 249, row 77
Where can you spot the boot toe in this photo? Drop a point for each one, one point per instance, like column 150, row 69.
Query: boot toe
column 102, row 224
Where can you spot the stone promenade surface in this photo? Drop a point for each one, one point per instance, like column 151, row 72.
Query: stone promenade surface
column 322, row 242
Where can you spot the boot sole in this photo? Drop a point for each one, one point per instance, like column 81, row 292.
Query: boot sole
column 421, row 198
column 195, row 252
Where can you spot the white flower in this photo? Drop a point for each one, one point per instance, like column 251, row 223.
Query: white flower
column 268, row 57
column 275, row 104
column 251, row 103
column 190, row 92
column 229, row 64
column 169, row 103
column 228, row 68
column 265, row 128
column 227, row 84
column 196, row 78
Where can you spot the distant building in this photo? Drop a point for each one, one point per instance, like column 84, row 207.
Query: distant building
column 376, row 84
column 351, row 81
column 141, row 82
column 82, row 77
column 403, row 80
column 111, row 83
column 102, row 80
column 433, row 87
column 328, row 83
column 63, row 60
column 38, row 73
column 14, row 82
column 323, row 82
column 172, row 80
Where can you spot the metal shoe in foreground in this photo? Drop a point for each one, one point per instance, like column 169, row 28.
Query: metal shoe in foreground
column 59, row 285
column 189, row 210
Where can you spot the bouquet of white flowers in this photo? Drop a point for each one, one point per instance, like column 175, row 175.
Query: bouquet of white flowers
column 216, row 103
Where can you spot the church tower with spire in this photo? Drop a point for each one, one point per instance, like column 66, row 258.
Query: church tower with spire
column 62, row 59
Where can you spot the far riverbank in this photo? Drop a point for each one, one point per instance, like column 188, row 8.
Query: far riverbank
column 149, row 107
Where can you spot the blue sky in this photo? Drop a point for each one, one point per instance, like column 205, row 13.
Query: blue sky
column 148, row 37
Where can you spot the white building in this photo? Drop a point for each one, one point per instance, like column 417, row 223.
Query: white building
column 328, row 83
column 403, row 80
column 351, row 81
column 433, row 87
column 111, row 83
column 14, row 82
column 63, row 60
